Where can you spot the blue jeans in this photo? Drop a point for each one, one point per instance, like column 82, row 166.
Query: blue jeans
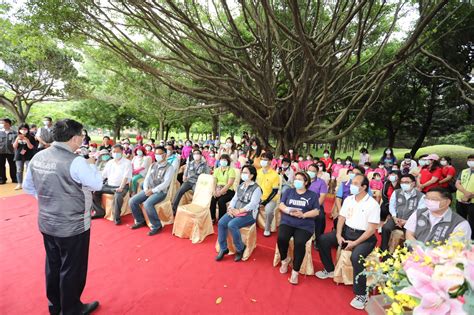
column 20, row 166
column 149, row 205
column 228, row 223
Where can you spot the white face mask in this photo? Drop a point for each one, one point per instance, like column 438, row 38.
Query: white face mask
column 348, row 162
column 470, row 164
column 300, row 159
column 245, row 177
column 45, row 122
column 326, row 155
column 388, row 152
column 2, row 126
column 444, row 163
column 228, row 145
column 254, row 147
column 291, row 151
column 23, row 132
column 158, row 158
column 263, row 163
column 197, row 157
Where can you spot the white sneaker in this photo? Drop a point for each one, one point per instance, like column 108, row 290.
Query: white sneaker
column 323, row 274
column 359, row 302
column 284, row 265
column 266, row 233
column 18, row 187
column 379, row 230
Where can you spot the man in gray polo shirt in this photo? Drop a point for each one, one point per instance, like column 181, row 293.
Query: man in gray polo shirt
column 62, row 182
column 436, row 221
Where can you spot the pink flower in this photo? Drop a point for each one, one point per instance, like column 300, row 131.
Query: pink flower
column 432, row 293
column 469, row 272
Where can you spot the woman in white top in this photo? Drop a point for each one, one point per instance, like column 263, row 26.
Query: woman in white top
column 322, row 172
column 229, row 148
column 364, row 157
column 140, row 165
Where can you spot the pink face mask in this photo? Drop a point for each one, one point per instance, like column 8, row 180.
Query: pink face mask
column 432, row 205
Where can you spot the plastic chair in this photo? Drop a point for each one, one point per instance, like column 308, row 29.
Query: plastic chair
column 193, row 221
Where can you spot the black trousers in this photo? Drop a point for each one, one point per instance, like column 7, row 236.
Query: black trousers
column 387, row 229
column 118, row 200
column 186, row 186
column 300, row 237
column 221, row 201
column 3, row 169
column 384, row 211
column 329, row 240
column 320, row 223
column 66, row 272
column 466, row 210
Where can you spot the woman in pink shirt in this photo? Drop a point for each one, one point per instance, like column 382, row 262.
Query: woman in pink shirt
column 336, row 168
column 376, row 185
column 187, row 149
column 211, row 159
column 381, row 170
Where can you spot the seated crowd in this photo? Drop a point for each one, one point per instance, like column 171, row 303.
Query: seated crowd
column 408, row 195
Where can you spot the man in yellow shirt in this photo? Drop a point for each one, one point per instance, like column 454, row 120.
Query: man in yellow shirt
column 269, row 181
column 465, row 193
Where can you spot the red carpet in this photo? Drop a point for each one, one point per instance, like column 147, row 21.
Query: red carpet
column 131, row 273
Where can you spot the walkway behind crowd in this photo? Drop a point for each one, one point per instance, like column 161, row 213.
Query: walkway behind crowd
column 131, row 273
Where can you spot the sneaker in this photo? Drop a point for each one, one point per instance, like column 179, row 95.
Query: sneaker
column 266, row 233
column 18, row 187
column 359, row 302
column 284, row 265
column 379, row 230
column 323, row 274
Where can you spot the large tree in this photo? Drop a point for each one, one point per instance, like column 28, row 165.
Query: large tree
column 33, row 69
column 295, row 70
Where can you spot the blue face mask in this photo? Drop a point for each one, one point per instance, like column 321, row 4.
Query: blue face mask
column 355, row 190
column 223, row 163
column 311, row 174
column 105, row 157
column 117, row 155
column 245, row 177
column 299, row 184
column 352, row 175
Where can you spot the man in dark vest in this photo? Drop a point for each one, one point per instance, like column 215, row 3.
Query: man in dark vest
column 403, row 203
column 7, row 152
column 155, row 188
column 63, row 183
column 436, row 221
column 44, row 134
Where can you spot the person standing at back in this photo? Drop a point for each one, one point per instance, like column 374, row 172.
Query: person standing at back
column 44, row 134
column 7, row 152
column 62, row 182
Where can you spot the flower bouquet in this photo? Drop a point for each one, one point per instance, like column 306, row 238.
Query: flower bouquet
column 433, row 278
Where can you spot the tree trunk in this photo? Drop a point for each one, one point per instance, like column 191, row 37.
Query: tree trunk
column 333, row 149
column 167, row 131
column 156, row 134
column 117, row 128
column 161, row 130
column 391, row 133
column 425, row 127
column 215, row 126
column 187, row 129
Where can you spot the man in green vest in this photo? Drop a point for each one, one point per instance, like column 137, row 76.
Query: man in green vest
column 465, row 193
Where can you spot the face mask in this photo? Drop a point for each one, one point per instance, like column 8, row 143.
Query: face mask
column 117, row 155
column 366, row 167
column 388, row 152
column 45, row 122
column 299, row 184
column 228, row 145
column 281, row 157
column 188, row 144
column 392, row 178
column 211, row 155
column 348, row 162
column 405, row 187
column 254, row 147
column 2, row 126
column 470, row 164
column 380, row 166
column 148, row 148
column 244, row 177
column 285, row 166
column 197, row 157
column 263, row 163
column 326, row 155
column 83, row 133
column 352, row 175
column 140, row 153
column 355, row 190
column 223, row 163
column 126, row 145
column 290, row 151
column 105, row 157
column 432, row 205
column 444, row 163
column 394, row 169
column 300, row 159
column 23, row 132
column 308, row 158
column 408, row 161
column 158, row 157
column 311, row 174
column 377, row 179
column 93, row 150
column 338, row 162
